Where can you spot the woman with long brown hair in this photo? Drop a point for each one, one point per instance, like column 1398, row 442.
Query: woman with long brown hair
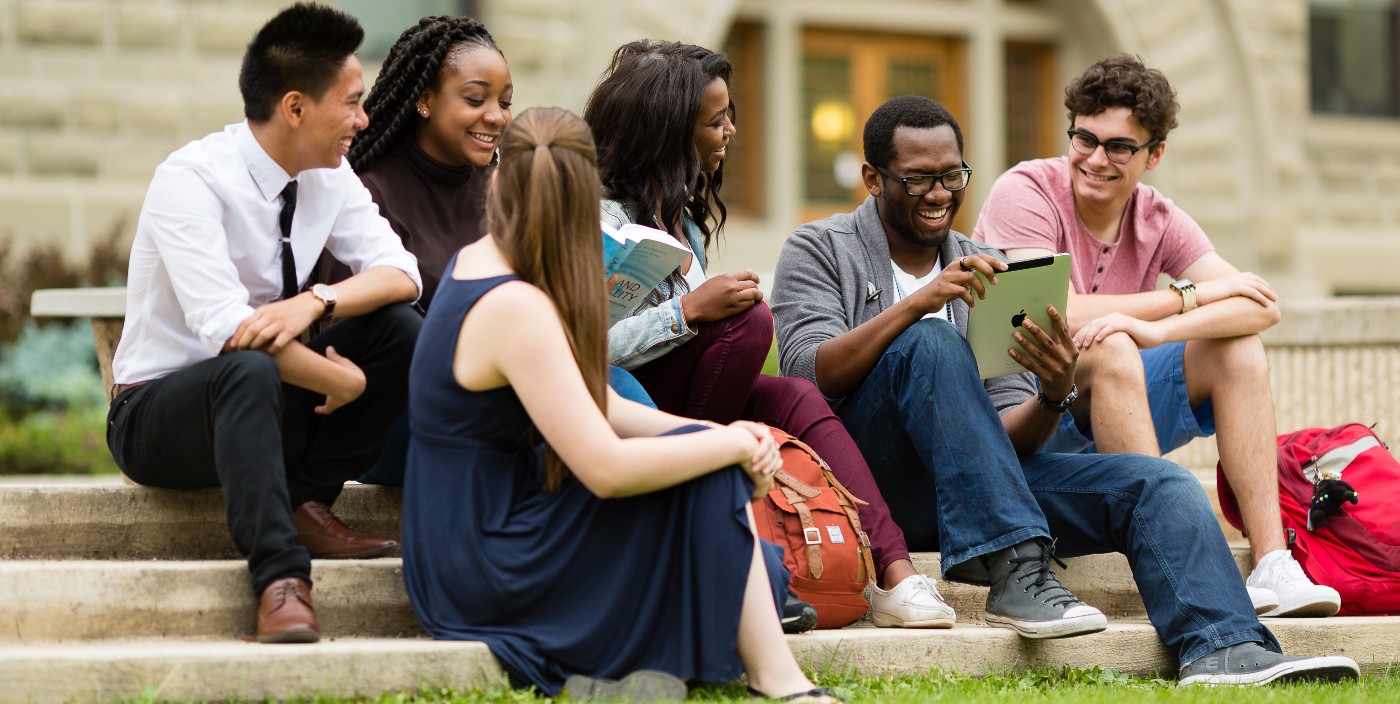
column 581, row 536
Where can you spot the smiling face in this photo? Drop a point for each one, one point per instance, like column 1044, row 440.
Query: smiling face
column 713, row 128
column 914, row 223
column 468, row 108
column 1099, row 183
column 327, row 126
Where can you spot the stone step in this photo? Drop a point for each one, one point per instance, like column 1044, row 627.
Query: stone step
column 186, row 670
column 104, row 518
column 88, row 599
column 84, row 600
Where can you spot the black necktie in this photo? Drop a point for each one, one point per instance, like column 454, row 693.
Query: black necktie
column 289, row 262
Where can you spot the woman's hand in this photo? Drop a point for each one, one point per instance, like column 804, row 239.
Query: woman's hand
column 722, row 296
column 1050, row 358
column 763, row 459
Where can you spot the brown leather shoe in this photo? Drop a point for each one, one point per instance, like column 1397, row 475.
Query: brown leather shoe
column 325, row 536
column 285, row 614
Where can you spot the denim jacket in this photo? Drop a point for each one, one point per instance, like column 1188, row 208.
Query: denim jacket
column 650, row 331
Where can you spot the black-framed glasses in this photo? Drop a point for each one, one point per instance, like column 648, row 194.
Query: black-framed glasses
column 1117, row 152
column 921, row 184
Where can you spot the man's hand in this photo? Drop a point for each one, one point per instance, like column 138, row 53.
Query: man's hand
column 1245, row 284
column 1051, row 358
column 960, row 280
column 273, row 325
column 722, row 296
column 349, row 390
column 1145, row 333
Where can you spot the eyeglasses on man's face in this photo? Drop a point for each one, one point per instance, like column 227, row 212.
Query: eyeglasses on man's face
column 1117, row 152
column 921, row 184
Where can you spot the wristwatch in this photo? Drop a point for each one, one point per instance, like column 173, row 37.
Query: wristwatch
column 1187, row 290
column 1062, row 406
column 326, row 295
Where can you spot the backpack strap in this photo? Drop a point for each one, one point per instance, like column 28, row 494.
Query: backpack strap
column 810, row 533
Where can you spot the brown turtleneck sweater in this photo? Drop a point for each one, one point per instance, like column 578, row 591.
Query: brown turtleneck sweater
column 436, row 210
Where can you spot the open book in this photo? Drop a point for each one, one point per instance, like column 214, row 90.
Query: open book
column 641, row 257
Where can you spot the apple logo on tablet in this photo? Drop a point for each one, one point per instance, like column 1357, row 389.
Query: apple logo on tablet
column 1019, row 318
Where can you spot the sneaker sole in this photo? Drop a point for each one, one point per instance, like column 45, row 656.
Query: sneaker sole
column 640, row 686
column 1306, row 609
column 1263, row 607
column 1063, row 628
column 1323, row 669
column 882, row 620
column 802, row 623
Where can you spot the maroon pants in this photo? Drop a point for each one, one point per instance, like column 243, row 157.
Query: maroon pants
column 716, row 376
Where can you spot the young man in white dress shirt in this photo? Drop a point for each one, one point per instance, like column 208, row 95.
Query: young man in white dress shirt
column 213, row 385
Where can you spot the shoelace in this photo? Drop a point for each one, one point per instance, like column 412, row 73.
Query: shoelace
column 1290, row 571
column 925, row 584
column 1046, row 578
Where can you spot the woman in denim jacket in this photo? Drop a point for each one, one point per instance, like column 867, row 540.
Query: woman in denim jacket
column 662, row 119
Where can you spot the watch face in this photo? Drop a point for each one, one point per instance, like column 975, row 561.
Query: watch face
column 323, row 292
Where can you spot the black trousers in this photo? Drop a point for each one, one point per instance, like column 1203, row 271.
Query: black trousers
column 230, row 422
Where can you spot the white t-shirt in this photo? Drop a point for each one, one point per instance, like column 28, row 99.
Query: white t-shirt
column 905, row 284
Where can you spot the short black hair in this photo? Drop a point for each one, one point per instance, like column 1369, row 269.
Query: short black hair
column 303, row 48
column 914, row 111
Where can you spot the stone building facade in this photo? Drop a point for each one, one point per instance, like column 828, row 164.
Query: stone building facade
column 94, row 93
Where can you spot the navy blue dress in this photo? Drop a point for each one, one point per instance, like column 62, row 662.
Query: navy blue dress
column 560, row 583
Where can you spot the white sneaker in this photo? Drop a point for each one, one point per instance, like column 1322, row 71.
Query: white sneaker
column 1297, row 595
column 913, row 603
column 1264, row 600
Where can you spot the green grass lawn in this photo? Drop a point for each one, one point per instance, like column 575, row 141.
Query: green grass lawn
column 1068, row 686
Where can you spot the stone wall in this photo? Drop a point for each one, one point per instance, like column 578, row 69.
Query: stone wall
column 95, row 93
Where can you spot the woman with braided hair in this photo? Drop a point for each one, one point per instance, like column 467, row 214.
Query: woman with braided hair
column 436, row 112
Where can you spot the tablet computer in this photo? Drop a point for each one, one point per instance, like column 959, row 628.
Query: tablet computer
column 1022, row 291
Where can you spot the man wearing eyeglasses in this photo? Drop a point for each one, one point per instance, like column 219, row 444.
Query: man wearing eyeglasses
column 1157, row 368
column 872, row 306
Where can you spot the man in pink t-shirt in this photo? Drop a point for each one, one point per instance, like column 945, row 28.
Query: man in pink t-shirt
column 1159, row 367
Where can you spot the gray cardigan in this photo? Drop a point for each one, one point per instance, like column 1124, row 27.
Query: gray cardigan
column 835, row 274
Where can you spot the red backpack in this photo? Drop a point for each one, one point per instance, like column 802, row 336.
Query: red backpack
column 1354, row 546
column 815, row 519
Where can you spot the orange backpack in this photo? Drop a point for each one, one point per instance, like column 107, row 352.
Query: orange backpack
column 815, row 519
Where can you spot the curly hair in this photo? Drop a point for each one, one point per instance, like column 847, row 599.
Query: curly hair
column 414, row 65
column 302, row 48
column 543, row 213
column 1123, row 81
column 642, row 113
column 914, row 111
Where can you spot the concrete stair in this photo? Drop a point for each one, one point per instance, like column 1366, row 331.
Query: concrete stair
column 109, row 590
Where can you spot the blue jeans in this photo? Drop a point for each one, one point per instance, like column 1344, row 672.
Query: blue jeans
column 923, row 407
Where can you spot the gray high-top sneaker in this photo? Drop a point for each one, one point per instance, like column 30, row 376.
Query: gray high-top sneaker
column 1028, row 597
column 1250, row 663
